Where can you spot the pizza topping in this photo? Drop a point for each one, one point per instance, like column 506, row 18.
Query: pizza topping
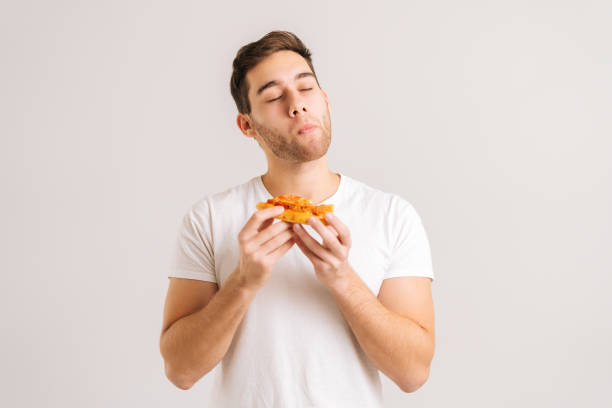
column 297, row 209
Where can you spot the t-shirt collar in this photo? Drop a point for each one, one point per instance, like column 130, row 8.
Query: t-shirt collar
column 334, row 198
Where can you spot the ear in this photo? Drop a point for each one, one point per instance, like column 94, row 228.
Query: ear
column 244, row 124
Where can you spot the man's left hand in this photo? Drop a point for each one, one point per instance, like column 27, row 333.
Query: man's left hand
column 330, row 260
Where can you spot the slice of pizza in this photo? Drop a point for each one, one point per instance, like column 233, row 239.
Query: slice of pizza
column 297, row 209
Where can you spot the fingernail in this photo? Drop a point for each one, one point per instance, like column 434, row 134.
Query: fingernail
column 328, row 216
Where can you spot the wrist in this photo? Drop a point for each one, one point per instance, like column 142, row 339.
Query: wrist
column 243, row 285
column 342, row 282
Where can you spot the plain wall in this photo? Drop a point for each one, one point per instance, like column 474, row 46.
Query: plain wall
column 492, row 118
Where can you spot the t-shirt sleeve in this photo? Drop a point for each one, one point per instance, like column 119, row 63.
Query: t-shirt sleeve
column 410, row 254
column 193, row 256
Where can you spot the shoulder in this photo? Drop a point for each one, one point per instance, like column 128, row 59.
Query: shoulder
column 226, row 199
column 367, row 197
column 224, row 210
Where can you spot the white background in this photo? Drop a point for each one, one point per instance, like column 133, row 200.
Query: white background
column 492, row 118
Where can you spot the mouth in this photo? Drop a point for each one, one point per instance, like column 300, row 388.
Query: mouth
column 307, row 128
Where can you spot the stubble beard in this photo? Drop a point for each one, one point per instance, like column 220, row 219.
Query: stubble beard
column 295, row 149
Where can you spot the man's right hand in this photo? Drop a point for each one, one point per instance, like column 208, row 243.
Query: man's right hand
column 262, row 243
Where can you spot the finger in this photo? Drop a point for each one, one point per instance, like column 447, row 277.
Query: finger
column 269, row 233
column 258, row 218
column 309, row 254
column 281, row 250
column 344, row 233
column 275, row 242
column 333, row 230
column 265, row 224
column 312, row 244
column 329, row 239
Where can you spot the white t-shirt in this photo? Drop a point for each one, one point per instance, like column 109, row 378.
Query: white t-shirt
column 294, row 348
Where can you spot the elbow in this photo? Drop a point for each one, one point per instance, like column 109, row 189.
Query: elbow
column 411, row 387
column 176, row 377
column 415, row 382
column 183, row 385
column 180, row 381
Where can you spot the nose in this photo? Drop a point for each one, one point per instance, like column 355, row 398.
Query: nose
column 297, row 105
column 297, row 110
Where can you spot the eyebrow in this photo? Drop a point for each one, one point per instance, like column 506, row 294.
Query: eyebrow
column 275, row 82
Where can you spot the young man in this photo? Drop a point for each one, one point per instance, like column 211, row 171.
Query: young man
column 297, row 320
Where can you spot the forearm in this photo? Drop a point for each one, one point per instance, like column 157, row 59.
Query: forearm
column 195, row 344
column 397, row 345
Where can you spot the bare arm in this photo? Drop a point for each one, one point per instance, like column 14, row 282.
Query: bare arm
column 197, row 333
column 395, row 330
column 195, row 344
column 400, row 345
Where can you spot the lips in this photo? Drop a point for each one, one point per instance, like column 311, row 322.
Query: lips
column 307, row 128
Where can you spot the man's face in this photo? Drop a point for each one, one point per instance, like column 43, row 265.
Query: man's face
column 285, row 97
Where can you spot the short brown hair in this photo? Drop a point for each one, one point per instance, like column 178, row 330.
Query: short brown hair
column 251, row 54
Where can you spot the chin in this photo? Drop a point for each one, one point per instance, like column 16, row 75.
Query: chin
column 316, row 154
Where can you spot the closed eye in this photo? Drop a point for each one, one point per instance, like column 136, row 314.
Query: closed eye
column 306, row 89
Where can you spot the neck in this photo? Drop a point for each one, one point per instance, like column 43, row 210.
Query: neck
column 312, row 180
